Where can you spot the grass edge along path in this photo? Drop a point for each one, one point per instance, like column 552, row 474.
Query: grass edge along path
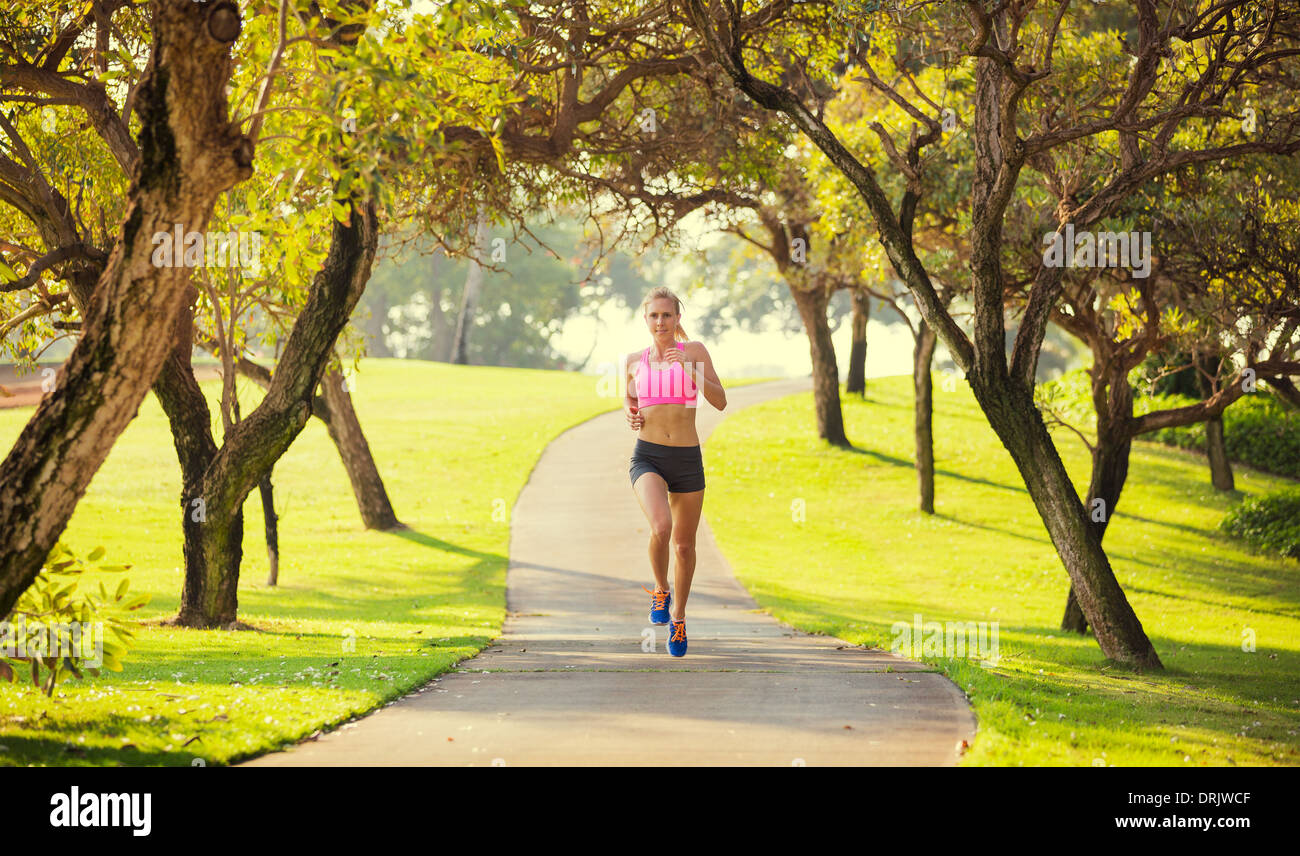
column 830, row 541
column 359, row 618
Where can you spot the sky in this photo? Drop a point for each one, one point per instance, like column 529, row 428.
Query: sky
column 736, row 353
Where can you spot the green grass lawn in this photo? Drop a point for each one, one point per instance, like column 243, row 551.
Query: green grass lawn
column 358, row 618
column 862, row 557
column 456, row 444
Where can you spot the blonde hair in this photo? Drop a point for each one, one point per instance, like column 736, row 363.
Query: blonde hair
column 663, row 291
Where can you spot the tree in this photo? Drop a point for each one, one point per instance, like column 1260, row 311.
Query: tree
column 1131, row 110
column 455, row 108
column 189, row 152
column 868, row 118
column 1221, row 292
column 856, row 381
column 67, row 162
column 470, row 296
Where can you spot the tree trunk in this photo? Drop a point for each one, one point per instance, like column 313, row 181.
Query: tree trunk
column 345, row 431
column 1215, row 448
column 922, row 356
column 210, row 594
column 857, row 379
column 1109, row 472
column 371, row 496
column 1286, row 390
column 1073, row 621
column 1011, row 413
column 1217, row 451
column 214, row 552
column 270, row 521
column 190, row 420
column 826, row 373
column 189, row 154
column 469, row 300
column 1113, row 403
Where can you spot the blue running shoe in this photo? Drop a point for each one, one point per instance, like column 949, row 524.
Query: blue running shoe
column 659, row 602
column 677, row 639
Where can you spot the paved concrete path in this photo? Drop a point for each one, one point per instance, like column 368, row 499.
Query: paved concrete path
column 569, row 683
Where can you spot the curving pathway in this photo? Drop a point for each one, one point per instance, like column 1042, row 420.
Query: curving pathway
column 568, row 683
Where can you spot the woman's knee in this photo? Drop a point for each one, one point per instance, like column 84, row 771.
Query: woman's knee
column 684, row 546
column 662, row 529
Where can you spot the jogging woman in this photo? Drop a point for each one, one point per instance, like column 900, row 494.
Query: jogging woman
column 667, row 470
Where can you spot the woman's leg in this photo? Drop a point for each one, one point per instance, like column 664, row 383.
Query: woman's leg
column 652, row 492
column 686, row 508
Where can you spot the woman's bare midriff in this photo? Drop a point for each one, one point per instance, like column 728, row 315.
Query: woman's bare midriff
column 669, row 425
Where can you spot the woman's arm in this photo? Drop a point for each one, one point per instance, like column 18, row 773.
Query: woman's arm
column 700, row 366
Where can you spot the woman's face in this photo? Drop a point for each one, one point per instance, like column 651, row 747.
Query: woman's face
column 661, row 316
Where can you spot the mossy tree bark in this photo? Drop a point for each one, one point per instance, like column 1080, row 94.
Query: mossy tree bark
column 271, row 521
column 190, row 152
column 190, row 421
column 1216, row 450
column 209, row 596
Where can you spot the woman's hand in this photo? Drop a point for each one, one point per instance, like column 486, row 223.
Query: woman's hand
column 674, row 355
column 634, row 417
column 678, row 355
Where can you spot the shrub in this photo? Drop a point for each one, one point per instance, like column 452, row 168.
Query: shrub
column 1270, row 523
column 52, row 628
column 1258, row 430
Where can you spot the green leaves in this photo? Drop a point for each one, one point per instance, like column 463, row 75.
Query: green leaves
column 54, row 629
column 1269, row 523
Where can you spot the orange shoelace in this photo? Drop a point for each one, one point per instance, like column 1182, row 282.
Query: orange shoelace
column 659, row 597
column 679, row 631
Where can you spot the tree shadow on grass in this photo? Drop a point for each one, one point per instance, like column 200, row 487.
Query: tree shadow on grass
column 1216, row 604
column 349, row 598
column 417, row 537
column 1181, row 527
column 353, row 601
column 363, row 649
column 888, row 459
column 56, row 751
column 903, row 462
column 1041, row 538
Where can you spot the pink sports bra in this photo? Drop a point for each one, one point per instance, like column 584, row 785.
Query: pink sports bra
column 664, row 386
